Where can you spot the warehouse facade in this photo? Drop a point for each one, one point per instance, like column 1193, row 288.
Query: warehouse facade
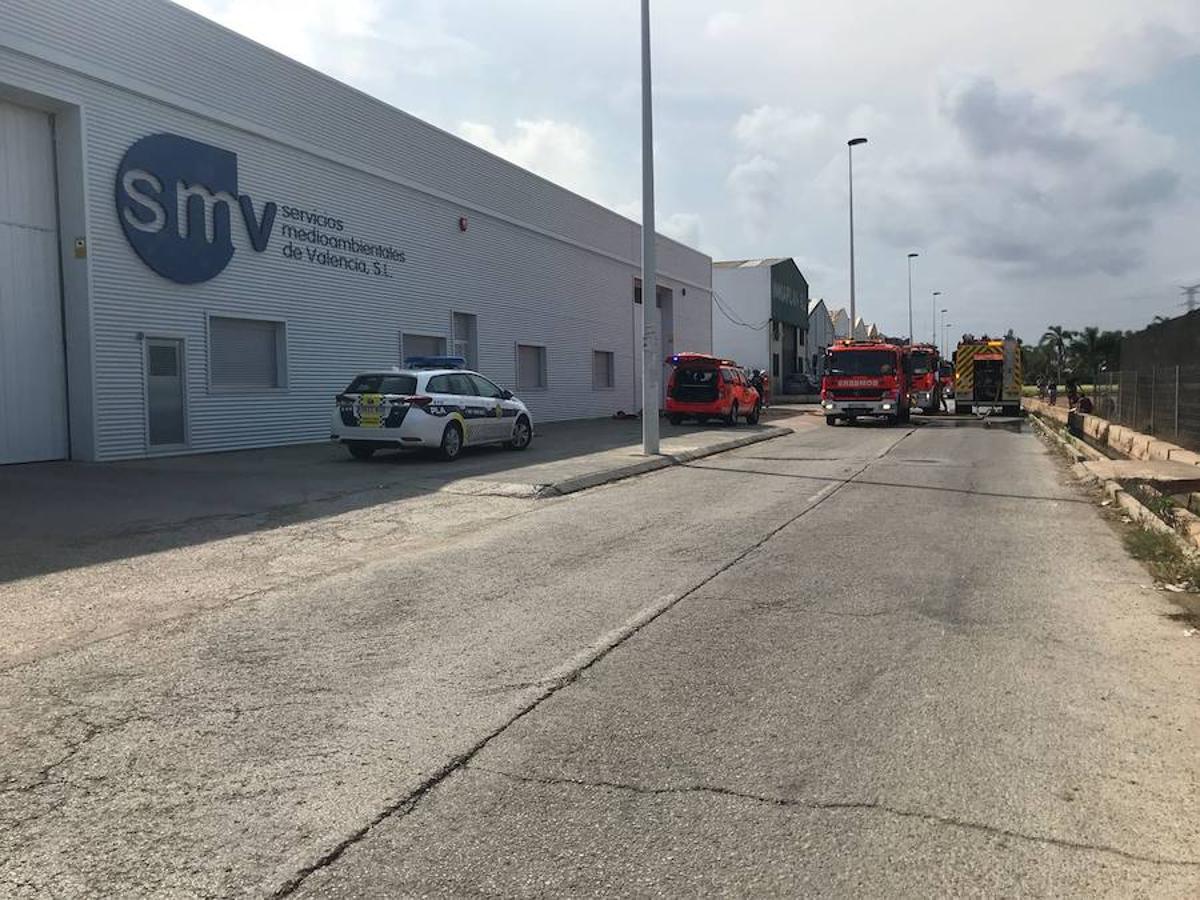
column 202, row 241
column 760, row 315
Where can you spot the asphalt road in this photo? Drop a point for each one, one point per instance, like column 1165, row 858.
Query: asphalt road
column 858, row 661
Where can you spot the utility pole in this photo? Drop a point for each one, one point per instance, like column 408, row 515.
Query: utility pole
column 933, row 317
column 850, row 145
column 650, row 349
column 911, row 257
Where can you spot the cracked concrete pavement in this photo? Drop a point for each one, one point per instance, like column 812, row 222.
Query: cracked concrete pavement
column 848, row 661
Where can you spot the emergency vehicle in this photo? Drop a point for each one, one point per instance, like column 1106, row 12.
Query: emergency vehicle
column 443, row 409
column 923, row 377
column 703, row 387
column 987, row 375
column 946, row 377
column 865, row 378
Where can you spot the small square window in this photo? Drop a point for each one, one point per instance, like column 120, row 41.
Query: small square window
column 246, row 353
column 603, row 375
column 531, row 367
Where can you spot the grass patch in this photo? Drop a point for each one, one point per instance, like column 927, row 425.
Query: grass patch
column 1163, row 556
column 1030, row 390
column 1159, row 504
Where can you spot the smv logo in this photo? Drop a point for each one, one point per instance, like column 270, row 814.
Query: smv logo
column 174, row 199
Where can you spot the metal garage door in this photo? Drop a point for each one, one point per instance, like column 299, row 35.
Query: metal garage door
column 33, row 403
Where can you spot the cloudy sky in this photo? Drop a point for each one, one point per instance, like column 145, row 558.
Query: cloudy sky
column 1043, row 156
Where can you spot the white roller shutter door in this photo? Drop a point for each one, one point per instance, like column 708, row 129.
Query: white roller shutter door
column 33, row 383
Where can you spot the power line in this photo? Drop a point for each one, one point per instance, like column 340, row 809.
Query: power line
column 732, row 318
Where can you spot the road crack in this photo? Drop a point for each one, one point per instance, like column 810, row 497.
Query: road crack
column 870, row 806
column 403, row 805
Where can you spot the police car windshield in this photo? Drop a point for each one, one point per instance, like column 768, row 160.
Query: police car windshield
column 862, row 362
column 383, row 384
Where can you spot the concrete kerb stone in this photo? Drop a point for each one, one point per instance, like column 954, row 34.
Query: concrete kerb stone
column 1177, row 454
column 1117, row 494
column 1139, row 445
column 1159, row 450
column 1096, row 428
column 604, row 476
column 666, row 460
column 1077, row 450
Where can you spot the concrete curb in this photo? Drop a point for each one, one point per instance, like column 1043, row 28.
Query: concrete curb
column 666, row 460
column 478, row 487
column 1079, row 451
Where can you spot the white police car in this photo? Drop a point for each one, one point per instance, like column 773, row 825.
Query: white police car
column 443, row 409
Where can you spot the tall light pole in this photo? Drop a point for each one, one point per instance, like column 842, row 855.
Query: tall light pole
column 911, row 257
column 850, row 145
column 933, row 317
column 943, row 331
column 946, row 331
column 650, row 350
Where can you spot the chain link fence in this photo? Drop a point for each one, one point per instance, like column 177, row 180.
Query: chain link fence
column 1157, row 390
column 1160, row 400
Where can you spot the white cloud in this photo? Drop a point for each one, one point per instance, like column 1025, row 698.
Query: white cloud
column 559, row 151
column 754, row 184
column 778, row 131
column 1032, row 186
column 723, row 24
column 683, row 227
column 358, row 41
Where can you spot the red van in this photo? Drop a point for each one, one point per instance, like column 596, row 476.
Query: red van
column 705, row 387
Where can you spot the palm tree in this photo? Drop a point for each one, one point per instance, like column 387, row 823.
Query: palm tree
column 1056, row 338
column 1109, row 345
column 1087, row 351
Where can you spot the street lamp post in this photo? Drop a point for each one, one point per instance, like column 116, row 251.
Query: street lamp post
column 933, row 317
column 850, row 145
column 911, row 257
column 650, row 352
column 946, row 331
column 943, row 331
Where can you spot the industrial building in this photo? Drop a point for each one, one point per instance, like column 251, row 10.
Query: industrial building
column 202, row 241
column 760, row 314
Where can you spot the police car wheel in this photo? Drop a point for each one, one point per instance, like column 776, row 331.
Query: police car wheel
column 451, row 442
column 522, row 435
column 360, row 451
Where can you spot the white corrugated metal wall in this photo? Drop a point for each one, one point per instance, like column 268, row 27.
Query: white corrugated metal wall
column 745, row 293
column 33, row 391
column 536, row 264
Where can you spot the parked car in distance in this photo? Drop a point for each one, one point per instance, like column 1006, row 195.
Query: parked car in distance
column 705, row 387
column 802, row 384
column 438, row 409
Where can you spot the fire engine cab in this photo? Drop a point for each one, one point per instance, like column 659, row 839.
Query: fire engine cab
column 923, row 377
column 865, row 378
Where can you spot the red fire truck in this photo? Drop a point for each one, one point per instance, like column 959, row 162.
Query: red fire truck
column 865, row 378
column 924, row 383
